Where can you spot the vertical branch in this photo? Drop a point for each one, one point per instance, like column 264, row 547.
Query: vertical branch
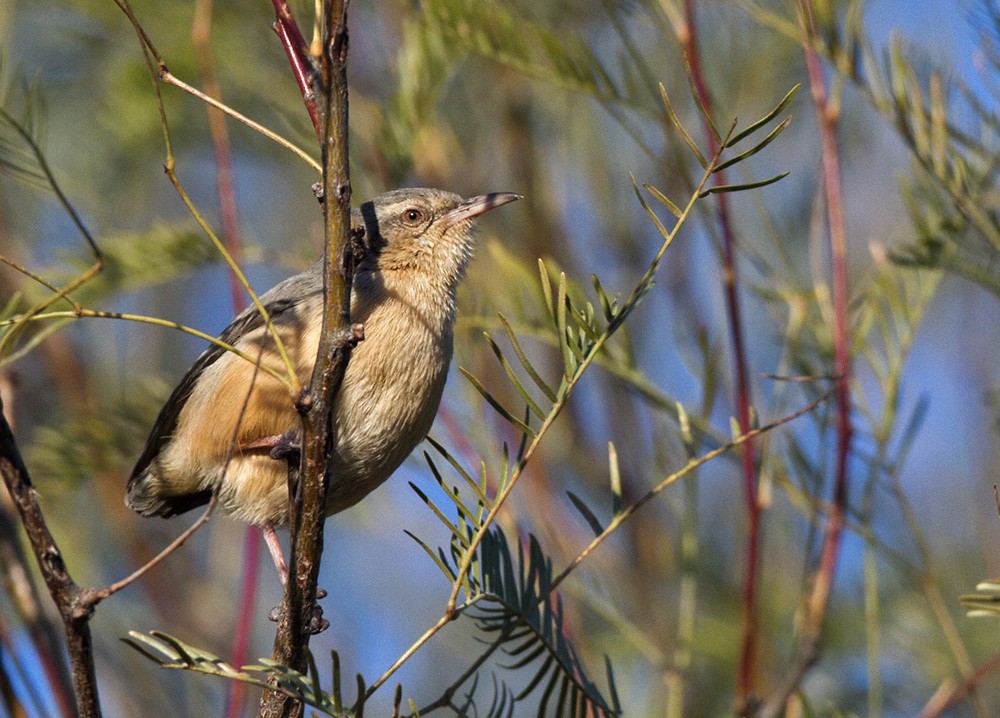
column 308, row 509
column 827, row 118
column 688, row 38
column 229, row 218
column 75, row 604
column 15, row 575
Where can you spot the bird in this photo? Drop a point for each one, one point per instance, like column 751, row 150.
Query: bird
column 217, row 432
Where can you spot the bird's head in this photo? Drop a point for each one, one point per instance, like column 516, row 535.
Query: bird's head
column 422, row 230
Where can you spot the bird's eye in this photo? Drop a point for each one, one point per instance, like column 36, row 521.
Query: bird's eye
column 413, row 216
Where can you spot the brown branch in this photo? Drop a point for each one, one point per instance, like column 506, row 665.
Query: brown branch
column 15, row 574
column 827, row 118
column 24, row 595
column 308, row 507
column 940, row 702
column 688, row 37
column 74, row 605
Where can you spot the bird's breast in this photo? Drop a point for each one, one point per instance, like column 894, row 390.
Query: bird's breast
column 389, row 396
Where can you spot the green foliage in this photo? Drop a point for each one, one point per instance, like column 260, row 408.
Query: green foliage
column 170, row 652
column 80, row 445
column 986, row 603
column 661, row 600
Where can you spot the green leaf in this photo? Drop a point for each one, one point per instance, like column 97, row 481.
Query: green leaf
column 438, row 561
column 766, row 118
column 756, row 148
column 546, row 289
column 718, row 189
column 649, row 211
column 680, row 129
column 527, row 622
column 588, row 515
column 509, row 371
column 500, row 408
column 565, row 341
column 674, row 209
column 521, row 357
column 615, row 478
column 706, row 116
column 460, row 535
column 480, row 491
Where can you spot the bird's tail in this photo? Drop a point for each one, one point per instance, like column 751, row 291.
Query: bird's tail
column 145, row 496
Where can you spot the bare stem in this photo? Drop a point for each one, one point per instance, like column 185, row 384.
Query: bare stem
column 201, row 31
column 308, row 506
column 827, row 119
column 296, row 50
column 687, row 33
column 100, row 594
column 172, row 79
column 943, row 700
column 71, row 601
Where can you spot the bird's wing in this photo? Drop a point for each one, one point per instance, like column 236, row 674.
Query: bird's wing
column 277, row 300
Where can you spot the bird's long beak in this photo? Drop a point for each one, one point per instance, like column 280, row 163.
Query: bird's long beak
column 475, row 206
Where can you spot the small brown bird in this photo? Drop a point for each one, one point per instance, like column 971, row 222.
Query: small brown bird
column 217, row 429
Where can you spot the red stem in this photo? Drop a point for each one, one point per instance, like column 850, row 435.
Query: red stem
column 248, row 599
column 296, row 50
column 938, row 706
column 827, row 118
column 229, row 217
column 749, row 630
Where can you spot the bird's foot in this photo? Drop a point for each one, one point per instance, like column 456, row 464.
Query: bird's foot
column 287, row 448
column 317, row 624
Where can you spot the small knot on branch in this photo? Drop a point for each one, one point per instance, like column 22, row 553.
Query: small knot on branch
column 53, row 559
column 305, row 402
column 355, row 334
column 82, row 608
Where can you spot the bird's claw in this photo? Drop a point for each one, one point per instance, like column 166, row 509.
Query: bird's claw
column 317, row 624
column 287, row 448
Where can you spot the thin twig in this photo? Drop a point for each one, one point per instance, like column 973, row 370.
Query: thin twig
column 745, row 678
column 99, row 594
column 172, row 79
column 156, row 321
column 827, row 118
column 938, row 704
column 690, row 466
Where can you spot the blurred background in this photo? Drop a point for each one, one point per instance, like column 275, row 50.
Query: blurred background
column 557, row 101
